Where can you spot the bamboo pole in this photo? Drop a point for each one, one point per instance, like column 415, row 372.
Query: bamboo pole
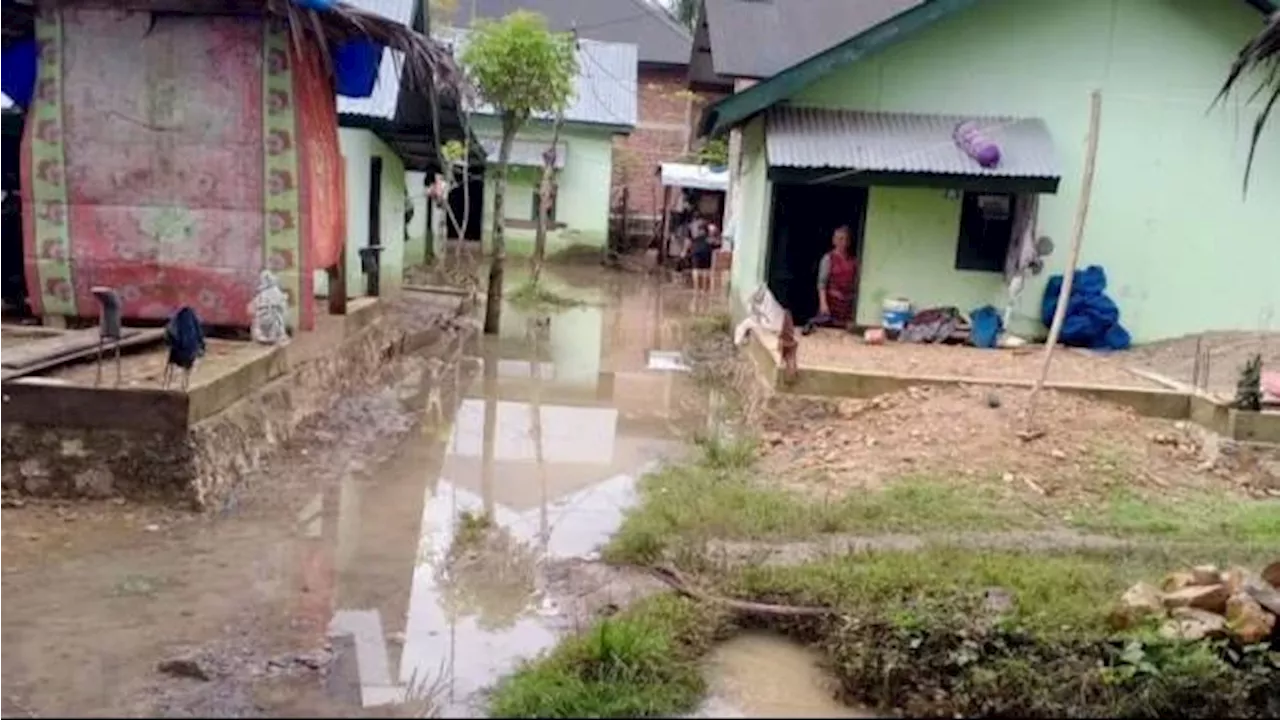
column 1030, row 432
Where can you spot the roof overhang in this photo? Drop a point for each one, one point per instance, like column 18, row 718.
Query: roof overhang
column 740, row 107
column 688, row 175
column 524, row 153
column 849, row 147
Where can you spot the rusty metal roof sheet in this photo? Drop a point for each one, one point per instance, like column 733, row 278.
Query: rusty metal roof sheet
column 904, row 143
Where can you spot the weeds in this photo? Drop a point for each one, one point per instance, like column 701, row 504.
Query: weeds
column 639, row 664
column 472, row 529
column 537, row 296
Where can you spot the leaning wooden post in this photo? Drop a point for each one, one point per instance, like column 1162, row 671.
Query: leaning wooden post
column 1030, row 432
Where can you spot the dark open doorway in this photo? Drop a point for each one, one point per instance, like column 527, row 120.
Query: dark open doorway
column 457, row 201
column 13, row 290
column 804, row 217
column 372, row 281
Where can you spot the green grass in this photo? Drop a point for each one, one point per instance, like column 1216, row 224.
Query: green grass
column 1199, row 517
column 537, row 296
column 721, row 495
column 641, row 663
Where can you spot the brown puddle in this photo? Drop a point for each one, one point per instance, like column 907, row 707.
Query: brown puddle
column 355, row 541
column 758, row 674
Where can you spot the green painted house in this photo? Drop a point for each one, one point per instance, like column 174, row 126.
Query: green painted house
column 603, row 106
column 861, row 134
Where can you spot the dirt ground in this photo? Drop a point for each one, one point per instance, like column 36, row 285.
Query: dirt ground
column 842, row 350
column 1228, row 351
column 968, row 433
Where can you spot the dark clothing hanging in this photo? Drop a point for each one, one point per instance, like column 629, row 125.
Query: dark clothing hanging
column 184, row 337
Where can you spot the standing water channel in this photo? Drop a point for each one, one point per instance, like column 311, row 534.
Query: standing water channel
column 407, row 552
column 562, row 415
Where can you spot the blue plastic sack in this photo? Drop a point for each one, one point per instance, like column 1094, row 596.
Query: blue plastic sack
column 1092, row 319
column 985, row 325
column 18, row 72
column 355, row 67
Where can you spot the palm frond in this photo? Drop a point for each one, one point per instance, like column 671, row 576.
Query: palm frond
column 1260, row 55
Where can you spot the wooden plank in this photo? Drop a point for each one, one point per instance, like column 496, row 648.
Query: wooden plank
column 133, row 338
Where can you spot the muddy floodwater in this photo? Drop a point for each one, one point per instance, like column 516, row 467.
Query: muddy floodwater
column 761, row 674
column 356, row 573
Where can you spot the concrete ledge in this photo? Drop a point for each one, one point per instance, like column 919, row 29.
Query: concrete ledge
column 41, row 402
column 1171, row 404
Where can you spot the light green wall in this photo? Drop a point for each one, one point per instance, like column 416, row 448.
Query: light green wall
column 755, row 193
column 358, row 148
column 415, row 240
column 910, row 251
column 584, row 182
column 1183, row 251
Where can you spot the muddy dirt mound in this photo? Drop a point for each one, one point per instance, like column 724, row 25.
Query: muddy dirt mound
column 968, row 432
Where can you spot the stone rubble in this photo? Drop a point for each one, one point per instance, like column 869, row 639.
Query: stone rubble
column 1205, row 602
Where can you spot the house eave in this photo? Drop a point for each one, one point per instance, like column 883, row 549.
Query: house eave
column 940, row 181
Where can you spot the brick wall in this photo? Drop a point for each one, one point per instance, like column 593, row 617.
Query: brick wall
column 663, row 133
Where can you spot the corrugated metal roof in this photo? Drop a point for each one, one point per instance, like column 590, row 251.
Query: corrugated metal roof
column 661, row 40
column 904, row 142
column 758, row 38
column 604, row 90
column 386, row 90
column 523, row 152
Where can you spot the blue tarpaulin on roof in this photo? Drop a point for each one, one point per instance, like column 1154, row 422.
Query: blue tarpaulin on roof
column 355, row 67
column 1092, row 319
column 18, row 72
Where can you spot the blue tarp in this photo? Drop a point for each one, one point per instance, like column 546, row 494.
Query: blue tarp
column 18, row 72
column 1092, row 319
column 355, row 67
column 985, row 325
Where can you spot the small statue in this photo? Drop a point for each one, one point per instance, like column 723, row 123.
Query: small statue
column 270, row 308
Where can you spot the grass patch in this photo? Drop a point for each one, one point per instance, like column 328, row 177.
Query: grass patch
column 720, row 495
column 537, row 296
column 938, row 633
column 641, row 663
column 472, row 528
column 716, row 498
column 1205, row 517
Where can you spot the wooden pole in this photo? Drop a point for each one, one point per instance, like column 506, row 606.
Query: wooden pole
column 1030, row 432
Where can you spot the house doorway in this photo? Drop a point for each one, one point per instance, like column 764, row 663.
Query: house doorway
column 458, row 201
column 804, row 217
column 13, row 287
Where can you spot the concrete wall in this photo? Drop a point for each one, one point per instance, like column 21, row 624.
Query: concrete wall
column 583, row 200
column 1183, row 250
column 755, row 213
column 358, row 148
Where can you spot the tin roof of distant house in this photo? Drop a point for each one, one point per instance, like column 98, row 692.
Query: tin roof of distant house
column 757, row 38
column 659, row 38
column 604, row 92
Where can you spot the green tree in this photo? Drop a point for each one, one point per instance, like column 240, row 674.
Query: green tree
column 1261, row 57
column 685, row 12
column 522, row 69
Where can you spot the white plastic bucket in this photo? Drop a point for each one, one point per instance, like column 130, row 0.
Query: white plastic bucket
column 894, row 313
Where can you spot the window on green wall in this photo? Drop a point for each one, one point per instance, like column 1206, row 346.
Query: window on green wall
column 533, row 206
column 986, row 228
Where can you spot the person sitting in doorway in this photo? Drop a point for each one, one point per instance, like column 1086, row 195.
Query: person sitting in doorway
column 702, row 249
column 837, row 281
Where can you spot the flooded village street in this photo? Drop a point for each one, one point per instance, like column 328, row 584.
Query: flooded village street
column 333, row 583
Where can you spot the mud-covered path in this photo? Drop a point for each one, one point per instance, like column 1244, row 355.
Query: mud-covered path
column 332, row 585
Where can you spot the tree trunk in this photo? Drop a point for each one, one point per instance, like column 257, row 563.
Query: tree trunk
column 493, row 301
column 546, row 190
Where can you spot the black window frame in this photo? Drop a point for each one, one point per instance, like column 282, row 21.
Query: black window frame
column 988, row 254
column 551, row 211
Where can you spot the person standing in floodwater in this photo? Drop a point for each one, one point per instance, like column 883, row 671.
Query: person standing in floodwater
column 702, row 251
column 837, row 284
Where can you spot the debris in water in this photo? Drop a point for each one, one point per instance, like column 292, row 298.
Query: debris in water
column 184, row 666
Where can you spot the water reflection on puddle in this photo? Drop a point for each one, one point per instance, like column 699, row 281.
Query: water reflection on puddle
column 548, row 441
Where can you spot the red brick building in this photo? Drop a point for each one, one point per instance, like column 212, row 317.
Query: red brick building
column 667, row 108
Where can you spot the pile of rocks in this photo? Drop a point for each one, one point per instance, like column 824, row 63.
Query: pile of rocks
column 1205, row 602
